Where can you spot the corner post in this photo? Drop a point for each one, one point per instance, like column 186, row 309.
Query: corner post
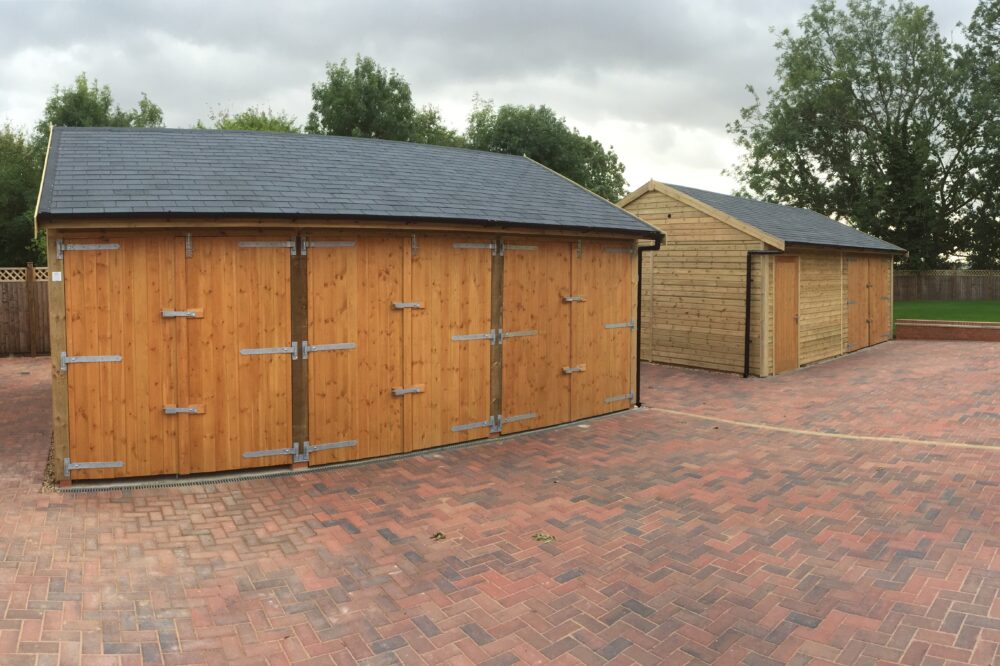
column 60, row 381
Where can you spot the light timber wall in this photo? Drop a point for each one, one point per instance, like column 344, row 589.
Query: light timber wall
column 694, row 289
column 178, row 352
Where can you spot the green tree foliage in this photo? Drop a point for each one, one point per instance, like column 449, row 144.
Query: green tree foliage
column 537, row 132
column 19, row 176
column 255, row 118
column 429, row 128
column 88, row 104
column 867, row 124
column 979, row 64
column 367, row 101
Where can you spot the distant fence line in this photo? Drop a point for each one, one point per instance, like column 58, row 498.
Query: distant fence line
column 946, row 285
column 24, row 310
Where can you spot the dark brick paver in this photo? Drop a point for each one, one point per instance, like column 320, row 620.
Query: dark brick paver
column 677, row 540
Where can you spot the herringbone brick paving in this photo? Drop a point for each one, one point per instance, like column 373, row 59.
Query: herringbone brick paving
column 676, row 541
column 913, row 389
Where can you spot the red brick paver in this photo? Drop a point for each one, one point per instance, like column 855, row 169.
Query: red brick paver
column 677, row 540
column 924, row 390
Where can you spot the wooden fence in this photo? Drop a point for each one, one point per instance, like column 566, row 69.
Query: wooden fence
column 957, row 285
column 24, row 310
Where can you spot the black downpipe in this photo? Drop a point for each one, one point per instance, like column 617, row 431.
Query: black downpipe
column 638, row 319
column 746, row 316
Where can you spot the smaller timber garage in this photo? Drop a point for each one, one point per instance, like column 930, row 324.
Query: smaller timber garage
column 754, row 287
column 231, row 300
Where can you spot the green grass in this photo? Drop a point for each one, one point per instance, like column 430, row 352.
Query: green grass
column 953, row 310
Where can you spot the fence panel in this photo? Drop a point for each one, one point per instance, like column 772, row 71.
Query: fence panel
column 24, row 310
column 947, row 285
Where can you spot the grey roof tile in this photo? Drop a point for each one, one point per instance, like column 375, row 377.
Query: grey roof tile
column 205, row 172
column 791, row 224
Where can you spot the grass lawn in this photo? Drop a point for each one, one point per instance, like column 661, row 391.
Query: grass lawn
column 954, row 310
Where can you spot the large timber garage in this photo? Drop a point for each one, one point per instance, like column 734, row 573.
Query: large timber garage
column 755, row 287
column 232, row 300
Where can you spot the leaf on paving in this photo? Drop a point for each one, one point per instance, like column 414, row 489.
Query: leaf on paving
column 543, row 537
column 438, row 536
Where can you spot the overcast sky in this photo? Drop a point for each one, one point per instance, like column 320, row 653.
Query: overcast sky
column 657, row 80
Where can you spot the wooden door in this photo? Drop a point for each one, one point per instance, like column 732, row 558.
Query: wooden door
column 239, row 354
column 786, row 313
column 355, row 353
column 602, row 330
column 879, row 300
column 450, row 340
column 120, row 352
column 858, row 314
column 536, row 334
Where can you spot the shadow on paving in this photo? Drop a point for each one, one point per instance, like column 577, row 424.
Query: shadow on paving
column 676, row 541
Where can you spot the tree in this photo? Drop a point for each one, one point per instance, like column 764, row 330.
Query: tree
column 537, row 132
column 254, row 118
column 19, row 176
column 867, row 125
column 367, row 101
column 429, row 128
column 979, row 63
column 88, row 104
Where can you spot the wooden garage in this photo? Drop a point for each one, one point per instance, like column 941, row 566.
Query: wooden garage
column 231, row 300
column 754, row 287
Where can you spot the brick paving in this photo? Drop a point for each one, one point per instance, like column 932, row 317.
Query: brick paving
column 936, row 390
column 677, row 540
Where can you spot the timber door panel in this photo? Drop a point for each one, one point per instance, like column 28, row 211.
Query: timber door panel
column 879, row 300
column 114, row 299
column 353, row 283
column 243, row 293
column 858, row 315
column 786, row 314
column 453, row 287
column 601, row 328
column 536, row 324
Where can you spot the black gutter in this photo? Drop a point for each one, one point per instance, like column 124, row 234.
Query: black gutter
column 638, row 319
column 746, row 316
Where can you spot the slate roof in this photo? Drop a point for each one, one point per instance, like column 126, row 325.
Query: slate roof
column 125, row 172
column 790, row 224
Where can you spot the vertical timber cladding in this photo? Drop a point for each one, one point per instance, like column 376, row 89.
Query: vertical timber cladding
column 786, row 313
column 536, row 333
column 239, row 353
column 602, row 328
column 879, row 299
column 354, row 352
column 451, row 334
column 857, row 302
column 120, row 358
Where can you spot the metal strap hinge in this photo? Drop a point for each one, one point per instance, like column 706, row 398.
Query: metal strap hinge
column 326, row 446
column 65, row 360
column 491, row 336
column 518, row 417
column 407, row 390
column 619, row 398
column 336, row 346
column 188, row 246
column 519, row 334
column 412, row 305
column 488, row 423
column 476, row 246
column 290, row 451
column 571, row 370
column 261, row 351
column 524, row 248
column 573, row 299
column 170, row 409
column 290, row 244
column 170, row 314
column 62, row 246
column 322, row 243
column 624, row 324
column 70, row 466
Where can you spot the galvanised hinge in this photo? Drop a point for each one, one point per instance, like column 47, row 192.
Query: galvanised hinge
column 65, row 360
column 62, row 246
column 68, row 466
